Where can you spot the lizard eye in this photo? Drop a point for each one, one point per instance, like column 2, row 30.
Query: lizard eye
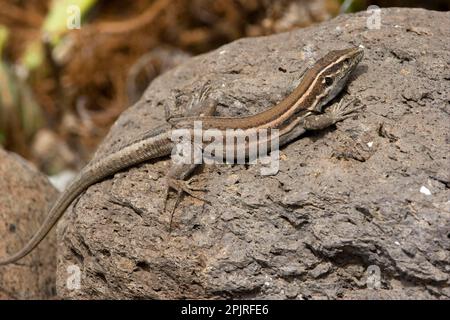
column 328, row 81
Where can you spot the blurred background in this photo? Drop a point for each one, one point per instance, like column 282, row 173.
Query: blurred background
column 69, row 68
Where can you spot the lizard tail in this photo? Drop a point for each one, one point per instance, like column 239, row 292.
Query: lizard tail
column 58, row 209
column 156, row 146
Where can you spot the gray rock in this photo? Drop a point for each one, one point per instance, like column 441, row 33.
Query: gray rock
column 25, row 198
column 346, row 200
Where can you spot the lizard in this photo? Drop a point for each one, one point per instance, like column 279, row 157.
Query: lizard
column 300, row 111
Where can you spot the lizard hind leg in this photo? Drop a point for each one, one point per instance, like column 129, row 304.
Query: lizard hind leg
column 176, row 180
column 185, row 188
column 200, row 105
column 181, row 187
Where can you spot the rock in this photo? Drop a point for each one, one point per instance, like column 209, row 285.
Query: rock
column 343, row 218
column 25, row 198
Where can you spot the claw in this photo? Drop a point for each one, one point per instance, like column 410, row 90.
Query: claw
column 190, row 187
column 342, row 111
column 181, row 187
column 166, row 198
column 196, row 100
column 177, row 202
column 200, row 97
column 204, row 91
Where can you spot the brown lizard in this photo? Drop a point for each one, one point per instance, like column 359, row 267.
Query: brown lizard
column 298, row 112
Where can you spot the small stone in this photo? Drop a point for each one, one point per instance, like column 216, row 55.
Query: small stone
column 425, row 191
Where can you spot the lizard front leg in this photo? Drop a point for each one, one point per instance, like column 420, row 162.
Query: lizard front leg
column 337, row 112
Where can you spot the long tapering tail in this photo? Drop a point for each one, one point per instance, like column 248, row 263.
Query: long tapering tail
column 58, row 209
column 156, row 145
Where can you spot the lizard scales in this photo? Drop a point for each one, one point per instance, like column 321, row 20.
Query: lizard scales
column 299, row 111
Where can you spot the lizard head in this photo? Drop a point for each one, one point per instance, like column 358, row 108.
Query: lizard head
column 332, row 73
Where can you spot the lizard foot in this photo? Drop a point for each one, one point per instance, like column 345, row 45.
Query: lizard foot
column 181, row 187
column 342, row 111
column 199, row 105
column 185, row 187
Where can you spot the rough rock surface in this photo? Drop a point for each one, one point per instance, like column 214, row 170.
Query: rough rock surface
column 368, row 195
column 25, row 196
